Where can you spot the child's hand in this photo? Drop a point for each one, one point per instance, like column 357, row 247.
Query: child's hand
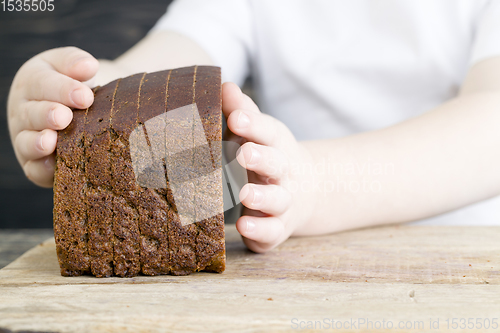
column 40, row 97
column 274, row 207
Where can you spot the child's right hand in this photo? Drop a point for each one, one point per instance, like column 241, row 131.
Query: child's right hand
column 42, row 93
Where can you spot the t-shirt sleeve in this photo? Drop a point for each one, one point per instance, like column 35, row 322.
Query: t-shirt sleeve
column 487, row 35
column 223, row 28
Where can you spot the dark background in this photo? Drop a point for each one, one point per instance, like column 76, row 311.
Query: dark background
column 106, row 29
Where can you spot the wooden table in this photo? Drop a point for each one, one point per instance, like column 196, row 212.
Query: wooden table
column 384, row 277
column 14, row 242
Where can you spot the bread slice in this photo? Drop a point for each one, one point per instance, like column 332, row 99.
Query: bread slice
column 138, row 184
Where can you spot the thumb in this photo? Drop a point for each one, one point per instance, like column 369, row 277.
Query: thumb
column 72, row 61
column 234, row 99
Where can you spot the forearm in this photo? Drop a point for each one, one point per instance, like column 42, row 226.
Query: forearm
column 157, row 51
column 442, row 160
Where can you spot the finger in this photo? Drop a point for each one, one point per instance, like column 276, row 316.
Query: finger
column 41, row 171
column 39, row 115
column 250, row 212
column 33, row 145
column 230, row 136
column 90, row 83
column 266, row 161
column 233, row 98
column 269, row 199
column 261, row 234
column 49, row 85
column 72, row 61
column 256, row 127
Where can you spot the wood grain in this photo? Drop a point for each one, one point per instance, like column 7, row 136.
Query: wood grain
column 14, row 242
column 404, row 273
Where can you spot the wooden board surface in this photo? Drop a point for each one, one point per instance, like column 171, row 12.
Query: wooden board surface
column 14, row 242
column 410, row 275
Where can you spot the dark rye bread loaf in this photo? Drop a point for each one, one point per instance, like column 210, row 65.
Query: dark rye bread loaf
column 105, row 222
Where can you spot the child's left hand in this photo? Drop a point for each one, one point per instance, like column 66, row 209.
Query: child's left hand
column 274, row 204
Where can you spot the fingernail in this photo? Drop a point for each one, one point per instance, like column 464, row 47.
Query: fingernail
column 78, row 97
column 39, row 142
column 243, row 121
column 52, row 117
column 244, row 193
column 257, row 196
column 250, row 225
column 79, row 59
column 48, row 163
column 252, row 156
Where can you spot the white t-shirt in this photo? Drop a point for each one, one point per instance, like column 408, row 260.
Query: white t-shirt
column 330, row 68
